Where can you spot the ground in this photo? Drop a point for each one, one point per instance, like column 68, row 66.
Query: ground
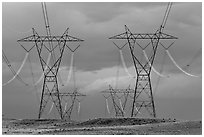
column 103, row 126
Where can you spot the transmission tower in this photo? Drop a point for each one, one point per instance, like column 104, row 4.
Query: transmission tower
column 143, row 95
column 119, row 106
column 119, row 96
column 55, row 46
column 73, row 96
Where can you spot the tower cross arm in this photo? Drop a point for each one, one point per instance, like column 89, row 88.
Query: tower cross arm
column 29, row 39
column 63, row 38
column 143, row 36
column 68, row 94
column 119, row 36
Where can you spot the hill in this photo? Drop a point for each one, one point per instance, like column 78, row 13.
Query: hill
column 101, row 126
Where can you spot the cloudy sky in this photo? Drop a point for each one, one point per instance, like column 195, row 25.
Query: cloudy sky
column 96, row 60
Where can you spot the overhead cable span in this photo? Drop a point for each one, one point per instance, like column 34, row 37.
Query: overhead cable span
column 79, row 107
column 124, row 65
column 161, row 75
column 198, row 53
column 70, row 68
column 159, row 78
column 51, row 108
column 19, row 70
column 121, row 105
column 65, row 107
column 107, row 106
column 33, row 80
column 172, row 59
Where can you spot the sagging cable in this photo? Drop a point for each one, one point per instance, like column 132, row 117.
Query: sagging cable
column 107, row 106
column 161, row 75
column 121, row 104
column 178, row 65
column 11, row 68
column 70, row 69
column 51, row 108
column 65, row 107
column 123, row 62
column 19, row 70
column 159, row 78
column 79, row 107
column 33, row 80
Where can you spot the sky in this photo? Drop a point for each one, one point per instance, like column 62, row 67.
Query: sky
column 96, row 60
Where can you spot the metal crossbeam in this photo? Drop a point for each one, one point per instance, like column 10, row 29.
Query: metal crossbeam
column 144, row 36
column 64, row 38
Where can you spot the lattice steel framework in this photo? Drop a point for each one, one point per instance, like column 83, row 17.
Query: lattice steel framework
column 73, row 96
column 119, row 109
column 143, row 97
column 50, row 69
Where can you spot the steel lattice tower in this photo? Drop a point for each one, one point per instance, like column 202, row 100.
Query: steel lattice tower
column 50, row 88
column 73, row 96
column 119, row 108
column 143, row 97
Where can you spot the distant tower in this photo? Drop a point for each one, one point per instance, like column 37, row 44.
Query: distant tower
column 120, row 106
column 73, row 97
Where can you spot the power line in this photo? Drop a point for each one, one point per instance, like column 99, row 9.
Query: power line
column 16, row 74
column 33, row 81
column 172, row 59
